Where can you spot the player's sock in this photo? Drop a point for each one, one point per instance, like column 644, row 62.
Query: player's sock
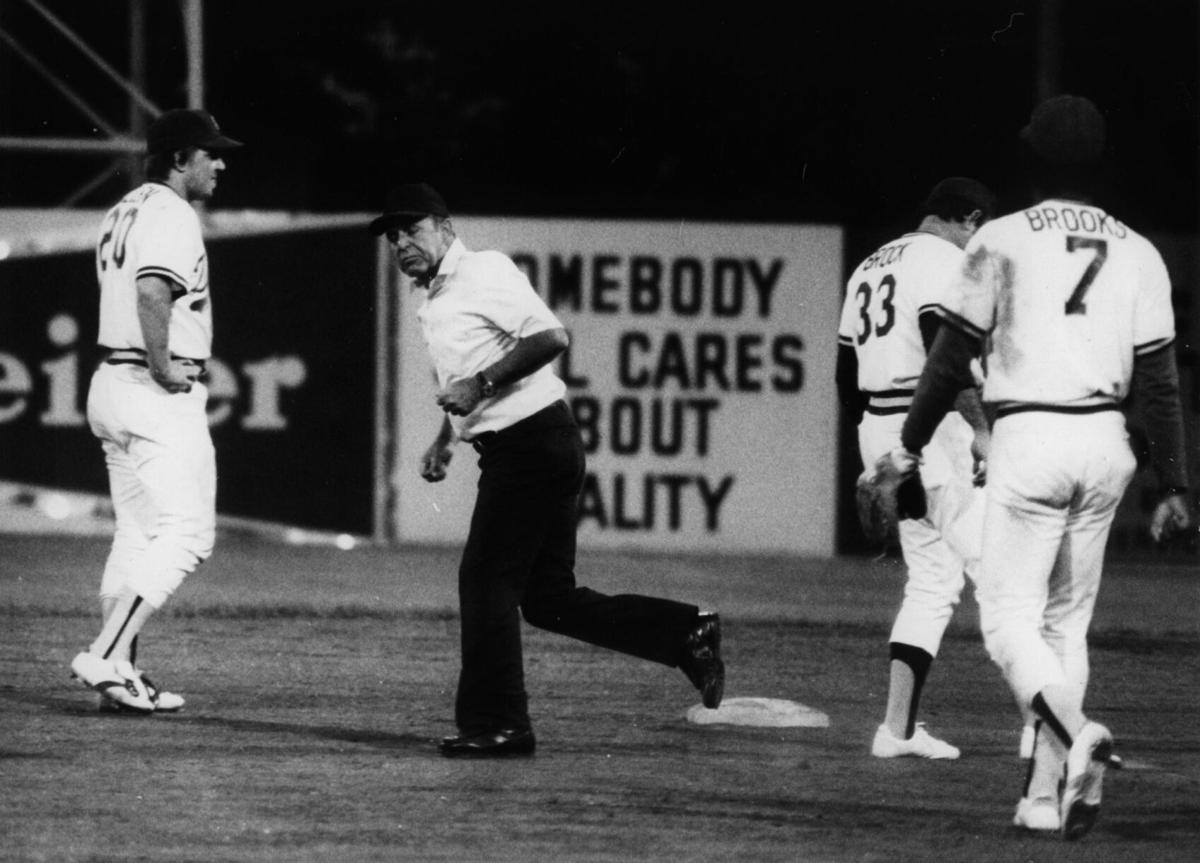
column 107, row 604
column 1056, row 720
column 909, row 668
column 128, row 616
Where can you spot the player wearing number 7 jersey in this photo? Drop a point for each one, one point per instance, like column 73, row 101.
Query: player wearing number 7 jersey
column 1070, row 307
column 888, row 321
column 146, row 403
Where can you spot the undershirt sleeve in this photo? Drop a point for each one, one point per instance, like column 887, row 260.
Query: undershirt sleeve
column 947, row 372
column 1156, row 393
column 851, row 397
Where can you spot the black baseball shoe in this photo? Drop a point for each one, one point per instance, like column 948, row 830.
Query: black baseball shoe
column 701, row 659
column 502, row 743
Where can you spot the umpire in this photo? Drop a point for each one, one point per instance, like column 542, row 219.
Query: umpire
column 492, row 340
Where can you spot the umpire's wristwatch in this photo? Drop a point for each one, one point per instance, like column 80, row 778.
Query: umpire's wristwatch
column 485, row 386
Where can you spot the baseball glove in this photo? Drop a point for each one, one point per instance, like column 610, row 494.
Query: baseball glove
column 887, row 492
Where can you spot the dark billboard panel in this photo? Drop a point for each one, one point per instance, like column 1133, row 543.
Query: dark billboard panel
column 292, row 385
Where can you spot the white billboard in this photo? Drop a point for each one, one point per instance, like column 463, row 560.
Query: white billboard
column 701, row 371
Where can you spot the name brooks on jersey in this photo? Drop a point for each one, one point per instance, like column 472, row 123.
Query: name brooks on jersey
column 1064, row 217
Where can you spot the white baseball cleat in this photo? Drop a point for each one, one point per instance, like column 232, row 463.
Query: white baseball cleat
column 116, row 681
column 164, row 701
column 921, row 745
column 1037, row 813
column 1090, row 754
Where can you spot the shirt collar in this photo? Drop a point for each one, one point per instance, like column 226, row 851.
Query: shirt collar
column 446, row 268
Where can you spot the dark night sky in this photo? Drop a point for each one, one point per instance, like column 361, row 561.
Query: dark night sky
column 843, row 112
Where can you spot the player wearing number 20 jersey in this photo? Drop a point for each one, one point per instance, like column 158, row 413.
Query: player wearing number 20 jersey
column 153, row 231
column 888, row 320
column 147, row 400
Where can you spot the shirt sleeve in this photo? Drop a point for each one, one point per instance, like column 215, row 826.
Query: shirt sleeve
column 505, row 297
column 849, row 324
column 936, row 280
column 1153, row 316
column 970, row 302
column 167, row 243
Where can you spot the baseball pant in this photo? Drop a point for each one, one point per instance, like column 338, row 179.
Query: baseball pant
column 520, row 559
column 162, row 477
column 1054, row 483
column 940, row 548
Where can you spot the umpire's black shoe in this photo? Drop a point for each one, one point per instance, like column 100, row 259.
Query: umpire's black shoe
column 503, row 743
column 701, row 659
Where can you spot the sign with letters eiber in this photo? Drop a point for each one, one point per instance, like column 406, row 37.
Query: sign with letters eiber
column 701, row 372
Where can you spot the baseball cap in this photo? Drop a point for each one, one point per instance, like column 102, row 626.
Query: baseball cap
column 958, row 196
column 181, row 128
column 409, row 202
column 1066, row 131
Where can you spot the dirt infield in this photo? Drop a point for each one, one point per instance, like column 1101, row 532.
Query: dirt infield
column 318, row 680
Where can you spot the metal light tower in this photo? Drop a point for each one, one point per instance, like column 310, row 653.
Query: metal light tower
column 123, row 145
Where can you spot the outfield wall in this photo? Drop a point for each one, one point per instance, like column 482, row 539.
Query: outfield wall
column 701, row 370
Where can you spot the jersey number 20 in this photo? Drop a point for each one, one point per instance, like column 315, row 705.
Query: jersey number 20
column 112, row 241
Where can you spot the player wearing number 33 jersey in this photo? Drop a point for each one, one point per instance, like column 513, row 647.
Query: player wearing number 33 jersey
column 1069, row 307
column 147, row 400
column 888, row 321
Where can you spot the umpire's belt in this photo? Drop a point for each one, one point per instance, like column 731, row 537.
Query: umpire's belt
column 551, row 416
column 137, row 357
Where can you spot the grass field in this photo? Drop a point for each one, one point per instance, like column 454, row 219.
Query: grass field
column 318, row 681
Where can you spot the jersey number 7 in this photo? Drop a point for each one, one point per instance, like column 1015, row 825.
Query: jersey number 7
column 1075, row 304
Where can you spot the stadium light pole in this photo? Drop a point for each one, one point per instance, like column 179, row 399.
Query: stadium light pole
column 193, row 28
column 1047, row 73
column 134, row 164
column 121, row 146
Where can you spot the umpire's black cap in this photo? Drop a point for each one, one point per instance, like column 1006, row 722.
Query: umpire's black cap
column 1066, row 131
column 181, row 128
column 408, row 203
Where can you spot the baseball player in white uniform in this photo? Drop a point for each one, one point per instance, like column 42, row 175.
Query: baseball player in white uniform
column 1070, row 306
column 888, row 321
column 146, row 403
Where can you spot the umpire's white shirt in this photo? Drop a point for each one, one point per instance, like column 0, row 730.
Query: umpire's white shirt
column 476, row 308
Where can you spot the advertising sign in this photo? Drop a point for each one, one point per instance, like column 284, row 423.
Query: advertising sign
column 292, row 385
column 701, row 371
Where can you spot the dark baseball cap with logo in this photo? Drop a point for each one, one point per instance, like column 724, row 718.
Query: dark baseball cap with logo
column 181, row 128
column 409, row 203
column 1066, row 131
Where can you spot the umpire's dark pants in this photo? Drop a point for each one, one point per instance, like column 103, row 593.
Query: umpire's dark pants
column 520, row 559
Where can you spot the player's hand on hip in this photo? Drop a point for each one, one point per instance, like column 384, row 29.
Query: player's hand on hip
column 1171, row 517
column 175, row 378
column 459, row 397
column 434, row 461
